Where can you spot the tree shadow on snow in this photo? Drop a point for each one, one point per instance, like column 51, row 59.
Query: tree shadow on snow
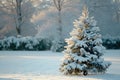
column 106, row 76
column 7, row 79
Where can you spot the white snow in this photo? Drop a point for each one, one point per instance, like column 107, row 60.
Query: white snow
column 44, row 65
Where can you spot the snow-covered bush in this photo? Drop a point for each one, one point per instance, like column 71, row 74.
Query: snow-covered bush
column 111, row 42
column 58, row 45
column 44, row 44
column 84, row 50
column 1, row 45
column 25, row 43
column 9, row 43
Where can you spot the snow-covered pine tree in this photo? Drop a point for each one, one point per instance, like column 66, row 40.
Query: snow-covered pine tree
column 84, row 50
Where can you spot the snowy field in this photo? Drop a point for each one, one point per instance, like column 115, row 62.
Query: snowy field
column 44, row 65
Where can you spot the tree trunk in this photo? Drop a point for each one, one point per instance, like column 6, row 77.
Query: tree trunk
column 59, row 4
column 60, row 24
column 19, row 16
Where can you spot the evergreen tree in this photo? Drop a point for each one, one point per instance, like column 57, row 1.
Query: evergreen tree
column 84, row 50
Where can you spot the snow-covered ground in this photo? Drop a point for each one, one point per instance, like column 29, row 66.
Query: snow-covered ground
column 44, row 65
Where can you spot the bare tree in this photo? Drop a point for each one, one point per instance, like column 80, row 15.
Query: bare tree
column 12, row 6
column 117, row 10
column 59, row 5
column 20, row 12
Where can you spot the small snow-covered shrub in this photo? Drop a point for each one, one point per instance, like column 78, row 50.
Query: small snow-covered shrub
column 112, row 42
column 0, row 44
column 58, row 45
column 44, row 44
column 9, row 43
column 25, row 43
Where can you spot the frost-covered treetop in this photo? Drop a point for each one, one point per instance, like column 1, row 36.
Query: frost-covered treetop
column 82, row 23
column 84, row 20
